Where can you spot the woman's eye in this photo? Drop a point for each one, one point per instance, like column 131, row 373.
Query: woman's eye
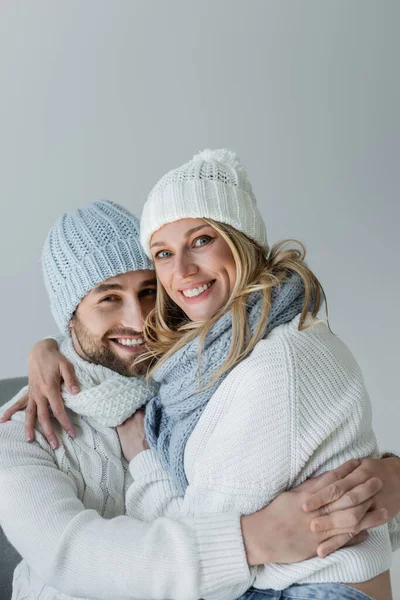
column 109, row 299
column 163, row 254
column 202, row 241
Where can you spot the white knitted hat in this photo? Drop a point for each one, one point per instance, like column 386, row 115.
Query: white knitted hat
column 213, row 185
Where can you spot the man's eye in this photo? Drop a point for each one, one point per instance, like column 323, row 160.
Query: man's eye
column 148, row 292
column 109, row 299
column 202, row 241
column 163, row 254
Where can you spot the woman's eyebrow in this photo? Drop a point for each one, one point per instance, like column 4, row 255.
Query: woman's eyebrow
column 187, row 234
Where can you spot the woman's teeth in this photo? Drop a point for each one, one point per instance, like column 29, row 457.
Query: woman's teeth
column 126, row 342
column 196, row 291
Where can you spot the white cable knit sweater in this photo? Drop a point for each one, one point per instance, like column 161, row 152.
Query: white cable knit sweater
column 64, row 511
column 296, row 407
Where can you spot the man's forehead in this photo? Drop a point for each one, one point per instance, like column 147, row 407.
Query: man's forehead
column 131, row 278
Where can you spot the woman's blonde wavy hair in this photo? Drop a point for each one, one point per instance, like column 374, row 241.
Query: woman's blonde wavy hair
column 167, row 328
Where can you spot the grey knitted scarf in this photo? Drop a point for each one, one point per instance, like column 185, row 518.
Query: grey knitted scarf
column 172, row 415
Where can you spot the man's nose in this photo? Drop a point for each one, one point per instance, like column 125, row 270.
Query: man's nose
column 133, row 315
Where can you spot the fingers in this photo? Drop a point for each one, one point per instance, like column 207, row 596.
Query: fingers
column 356, row 499
column 338, row 541
column 43, row 415
column 19, row 405
column 355, row 496
column 68, row 375
column 51, row 394
column 30, row 420
column 374, row 518
column 320, row 482
column 343, row 519
column 335, row 490
column 59, row 412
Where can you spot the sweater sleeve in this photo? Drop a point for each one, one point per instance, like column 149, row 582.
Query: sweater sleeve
column 82, row 554
column 153, row 493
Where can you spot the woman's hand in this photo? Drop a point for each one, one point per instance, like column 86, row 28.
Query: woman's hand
column 345, row 492
column 132, row 435
column 47, row 369
column 283, row 530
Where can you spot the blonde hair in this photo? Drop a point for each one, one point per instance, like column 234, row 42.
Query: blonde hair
column 167, row 328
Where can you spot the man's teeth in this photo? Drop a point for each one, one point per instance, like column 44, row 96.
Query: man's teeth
column 125, row 342
column 196, row 291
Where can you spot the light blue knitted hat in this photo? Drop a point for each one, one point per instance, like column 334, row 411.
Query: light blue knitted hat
column 85, row 247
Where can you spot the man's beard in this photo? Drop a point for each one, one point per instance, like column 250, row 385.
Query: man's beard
column 99, row 351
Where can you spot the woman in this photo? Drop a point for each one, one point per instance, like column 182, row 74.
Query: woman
column 256, row 394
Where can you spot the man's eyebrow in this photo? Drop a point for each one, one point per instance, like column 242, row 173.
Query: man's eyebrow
column 148, row 282
column 187, row 234
column 106, row 287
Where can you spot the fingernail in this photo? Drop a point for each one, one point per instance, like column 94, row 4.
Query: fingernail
column 71, row 433
column 75, row 389
column 2, row 419
column 384, row 513
column 53, row 444
column 28, row 437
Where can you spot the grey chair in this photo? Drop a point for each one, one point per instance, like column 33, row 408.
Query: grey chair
column 9, row 557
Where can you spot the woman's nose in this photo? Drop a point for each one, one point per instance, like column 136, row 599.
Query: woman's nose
column 185, row 266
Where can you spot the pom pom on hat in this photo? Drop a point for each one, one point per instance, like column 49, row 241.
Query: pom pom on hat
column 228, row 157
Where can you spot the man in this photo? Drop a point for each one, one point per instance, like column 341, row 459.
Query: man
column 63, row 508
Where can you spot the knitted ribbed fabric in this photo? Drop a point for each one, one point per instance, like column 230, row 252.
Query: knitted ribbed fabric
column 172, row 415
column 213, row 185
column 65, row 513
column 85, row 247
column 294, row 408
column 106, row 396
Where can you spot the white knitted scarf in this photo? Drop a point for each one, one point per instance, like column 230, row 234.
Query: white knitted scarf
column 106, row 396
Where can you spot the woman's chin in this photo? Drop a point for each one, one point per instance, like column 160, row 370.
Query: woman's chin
column 200, row 314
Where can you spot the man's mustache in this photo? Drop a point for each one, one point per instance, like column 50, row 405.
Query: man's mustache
column 121, row 332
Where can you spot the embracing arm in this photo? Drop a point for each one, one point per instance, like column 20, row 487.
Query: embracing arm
column 78, row 552
column 286, row 525
column 340, row 494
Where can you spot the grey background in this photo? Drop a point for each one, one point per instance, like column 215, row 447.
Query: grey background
column 100, row 98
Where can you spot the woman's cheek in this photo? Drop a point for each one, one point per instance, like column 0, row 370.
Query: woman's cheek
column 163, row 279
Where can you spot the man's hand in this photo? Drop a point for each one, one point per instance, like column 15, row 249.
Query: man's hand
column 281, row 532
column 346, row 492
column 132, row 435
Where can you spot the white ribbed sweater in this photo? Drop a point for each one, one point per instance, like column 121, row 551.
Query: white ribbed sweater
column 296, row 407
column 64, row 511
